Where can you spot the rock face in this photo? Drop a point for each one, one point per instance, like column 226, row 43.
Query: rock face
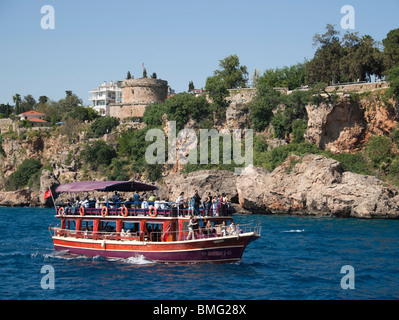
column 27, row 197
column 337, row 127
column 250, row 187
column 347, row 124
column 17, row 198
column 47, row 180
column 316, row 185
column 214, row 181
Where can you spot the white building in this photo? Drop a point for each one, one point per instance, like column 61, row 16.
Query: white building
column 104, row 95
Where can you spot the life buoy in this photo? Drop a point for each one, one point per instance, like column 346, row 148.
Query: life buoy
column 61, row 211
column 104, row 211
column 155, row 210
column 124, row 211
column 82, row 211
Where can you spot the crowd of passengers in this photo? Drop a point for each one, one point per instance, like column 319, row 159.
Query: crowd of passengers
column 210, row 206
column 195, row 231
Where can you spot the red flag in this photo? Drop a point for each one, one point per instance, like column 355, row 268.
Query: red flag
column 166, row 233
column 47, row 194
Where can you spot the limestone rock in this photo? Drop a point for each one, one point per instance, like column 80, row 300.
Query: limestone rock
column 47, row 180
column 15, row 198
column 251, row 188
column 317, row 185
column 214, row 181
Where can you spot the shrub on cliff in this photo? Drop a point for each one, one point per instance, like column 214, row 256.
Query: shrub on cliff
column 179, row 108
column 393, row 79
column 98, row 153
column 379, row 150
column 19, row 179
column 103, row 125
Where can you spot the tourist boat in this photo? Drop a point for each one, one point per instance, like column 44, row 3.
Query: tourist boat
column 121, row 230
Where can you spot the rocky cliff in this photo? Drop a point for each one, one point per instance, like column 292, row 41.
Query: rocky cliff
column 347, row 124
column 317, row 185
column 312, row 185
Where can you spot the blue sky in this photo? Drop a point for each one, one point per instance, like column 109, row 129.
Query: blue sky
column 95, row 40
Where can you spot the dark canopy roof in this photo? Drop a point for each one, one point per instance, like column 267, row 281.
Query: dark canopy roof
column 86, row 186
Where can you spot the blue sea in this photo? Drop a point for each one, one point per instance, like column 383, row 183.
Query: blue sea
column 296, row 258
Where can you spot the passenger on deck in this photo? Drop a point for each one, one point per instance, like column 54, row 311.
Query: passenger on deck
column 144, row 205
column 197, row 202
column 223, row 228
column 191, row 225
column 209, row 228
column 136, row 197
column 232, row 228
column 151, row 200
column 179, row 203
column 85, row 203
column 208, row 204
column 157, row 204
column 115, row 197
column 215, row 207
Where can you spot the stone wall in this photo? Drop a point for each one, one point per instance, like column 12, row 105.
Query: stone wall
column 5, row 125
column 123, row 111
column 358, row 87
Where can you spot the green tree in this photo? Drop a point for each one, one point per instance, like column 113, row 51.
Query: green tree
column 70, row 102
column 84, row 113
column 216, row 88
column 266, row 100
column 128, row 76
column 5, row 110
column 379, row 150
column 281, row 125
column 103, row 125
column 98, row 153
column 29, row 103
column 191, row 86
column 24, row 172
column 393, row 79
column 232, row 73
column 291, row 77
column 43, row 99
column 153, row 114
column 325, row 65
column 391, row 49
column 299, row 127
column 17, row 100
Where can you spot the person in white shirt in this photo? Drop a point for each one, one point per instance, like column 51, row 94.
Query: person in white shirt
column 144, row 205
column 179, row 202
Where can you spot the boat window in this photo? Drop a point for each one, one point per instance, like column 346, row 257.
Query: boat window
column 133, row 227
column 153, row 231
column 87, row 225
column 107, row 226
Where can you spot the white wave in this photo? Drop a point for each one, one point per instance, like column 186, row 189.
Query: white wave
column 140, row 259
column 298, row 230
column 64, row 254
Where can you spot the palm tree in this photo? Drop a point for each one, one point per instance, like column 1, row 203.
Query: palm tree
column 17, row 101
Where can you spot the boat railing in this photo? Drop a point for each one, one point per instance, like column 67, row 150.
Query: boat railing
column 155, row 236
column 152, row 211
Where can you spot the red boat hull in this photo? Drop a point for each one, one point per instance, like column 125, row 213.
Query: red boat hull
column 217, row 250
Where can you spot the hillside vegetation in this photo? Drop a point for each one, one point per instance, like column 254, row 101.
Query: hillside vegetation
column 81, row 145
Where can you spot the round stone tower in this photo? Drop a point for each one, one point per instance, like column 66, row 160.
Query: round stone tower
column 137, row 94
column 144, row 91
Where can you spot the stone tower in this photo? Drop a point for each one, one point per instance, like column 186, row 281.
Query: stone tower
column 137, row 94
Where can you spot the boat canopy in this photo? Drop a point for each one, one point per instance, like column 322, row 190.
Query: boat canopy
column 86, row 186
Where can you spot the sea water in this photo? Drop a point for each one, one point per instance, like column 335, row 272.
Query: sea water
column 296, row 258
